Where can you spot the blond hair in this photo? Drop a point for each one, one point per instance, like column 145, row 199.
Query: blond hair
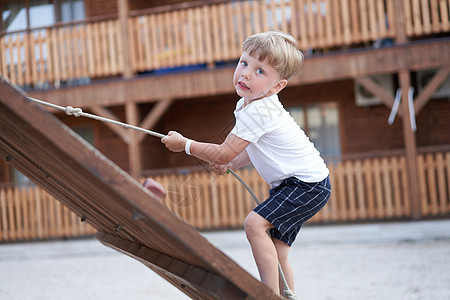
column 280, row 50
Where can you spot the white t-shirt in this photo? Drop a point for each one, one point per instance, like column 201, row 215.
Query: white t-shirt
column 278, row 147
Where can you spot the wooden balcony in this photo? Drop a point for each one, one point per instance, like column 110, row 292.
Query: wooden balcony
column 363, row 190
column 78, row 53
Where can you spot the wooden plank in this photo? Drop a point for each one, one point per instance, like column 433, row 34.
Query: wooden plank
column 346, row 22
column 395, row 173
column 90, row 50
column 293, row 30
column 328, row 24
column 431, row 87
column 392, row 19
column 372, row 20
column 11, row 221
column 440, row 173
column 425, row 12
column 350, row 185
column 434, row 11
column 331, row 205
column 212, row 285
column 381, row 19
column 363, row 11
column 376, row 90
column 123, row 27
column 379, row 204
column 387, row 187
column 447, row 167
column 444, row 13
column 410, row 145
column 337, row 17
column 404, row 187
column 284, row 20
column 360, row 195
column 430, row 169
column 424, row 206
column 311, row 29
column 154, row 43
column 153, row 116
column 341, row 192
column 106, row 113
column 417, row 22
column 19, row 46
column 177, row 23
column 354, row 23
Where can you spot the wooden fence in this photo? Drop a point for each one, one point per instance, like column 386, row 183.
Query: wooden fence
column 207, row 34
column 363, row 190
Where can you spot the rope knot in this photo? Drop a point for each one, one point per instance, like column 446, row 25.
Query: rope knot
column 289, row 294
column 70, row 111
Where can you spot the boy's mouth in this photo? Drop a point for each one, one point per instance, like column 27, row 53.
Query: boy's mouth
column 243, row 86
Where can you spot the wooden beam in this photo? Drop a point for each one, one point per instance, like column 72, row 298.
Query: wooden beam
column 106, row 113
column 410, row 147
column 124, row 51
column 189, row 275
column 134, row 148
column 401, row 36
column 425, row 96
column 378, row 91
column 153, row 116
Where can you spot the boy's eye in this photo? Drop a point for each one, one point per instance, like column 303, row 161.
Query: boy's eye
column 260, row 71
column 244, row 63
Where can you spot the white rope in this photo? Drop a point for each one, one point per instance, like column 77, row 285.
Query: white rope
column 78, row 112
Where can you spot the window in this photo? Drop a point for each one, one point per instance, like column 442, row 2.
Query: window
column 23, row 15
column 71, row 10
column 41, row 13
column 14, row 16
column 321, row 123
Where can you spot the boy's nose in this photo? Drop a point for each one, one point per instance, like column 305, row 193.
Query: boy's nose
column 246, row 74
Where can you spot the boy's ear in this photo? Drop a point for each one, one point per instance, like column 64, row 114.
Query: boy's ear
column 279, row 86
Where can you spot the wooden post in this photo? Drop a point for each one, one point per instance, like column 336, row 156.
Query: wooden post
column 401, row 37
column 123, row 21
column 134, row 151
column 410, row 146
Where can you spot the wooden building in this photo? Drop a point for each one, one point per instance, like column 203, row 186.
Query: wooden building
column 168, row 65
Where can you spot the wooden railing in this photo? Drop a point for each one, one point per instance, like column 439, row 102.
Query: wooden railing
column 362, row 190
column 207, row 34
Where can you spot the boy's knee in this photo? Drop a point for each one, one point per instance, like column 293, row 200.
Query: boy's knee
column 255, row 224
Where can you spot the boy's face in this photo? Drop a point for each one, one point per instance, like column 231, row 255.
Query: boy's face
column 254, row 79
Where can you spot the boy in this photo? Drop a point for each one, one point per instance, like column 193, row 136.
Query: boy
column 266, row 136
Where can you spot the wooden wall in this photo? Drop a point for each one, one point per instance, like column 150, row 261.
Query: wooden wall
column 95, row 8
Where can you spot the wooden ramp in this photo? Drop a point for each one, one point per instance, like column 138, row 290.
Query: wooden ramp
column 127, row 216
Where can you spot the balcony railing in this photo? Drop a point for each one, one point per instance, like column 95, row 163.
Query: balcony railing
column 207, row 35
column 363, row 190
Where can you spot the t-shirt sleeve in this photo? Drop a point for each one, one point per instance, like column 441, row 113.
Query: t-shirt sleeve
column 251, row 124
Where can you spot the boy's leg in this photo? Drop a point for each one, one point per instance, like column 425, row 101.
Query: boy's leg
column 263, row 248
column 283, row 252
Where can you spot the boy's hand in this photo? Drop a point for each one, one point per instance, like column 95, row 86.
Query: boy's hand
column 174, row 141
column 219, row 169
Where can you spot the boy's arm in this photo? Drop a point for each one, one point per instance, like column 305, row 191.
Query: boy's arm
column 238, row 162
column 214, row 153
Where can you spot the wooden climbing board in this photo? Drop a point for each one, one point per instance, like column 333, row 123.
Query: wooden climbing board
column 127, row 216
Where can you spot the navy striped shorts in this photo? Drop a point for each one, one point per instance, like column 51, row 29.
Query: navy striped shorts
column 292, row 203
